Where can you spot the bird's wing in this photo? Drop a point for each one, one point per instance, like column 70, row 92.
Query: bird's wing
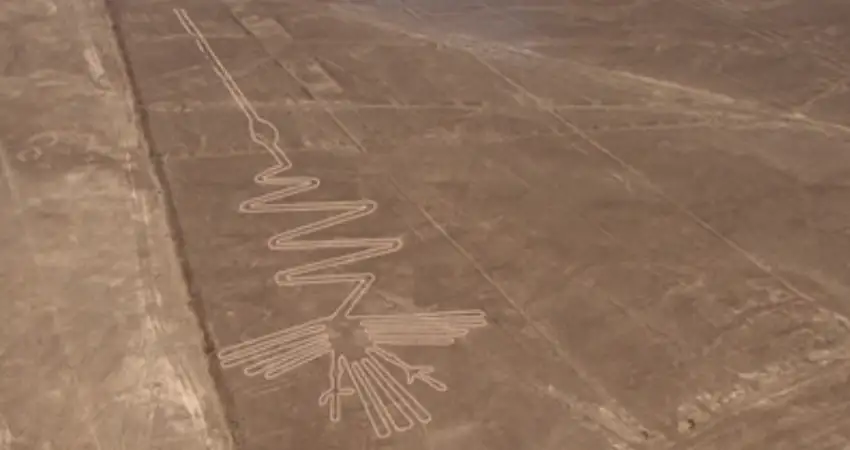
column 276, row 353
column 422, row 329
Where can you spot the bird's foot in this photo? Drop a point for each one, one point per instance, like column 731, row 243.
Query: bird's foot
column 423, row 374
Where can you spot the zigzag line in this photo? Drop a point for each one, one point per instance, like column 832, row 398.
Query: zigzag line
column 265, row 134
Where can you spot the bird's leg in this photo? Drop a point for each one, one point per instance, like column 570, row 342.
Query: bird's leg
column 333, row 395
column 411, row 372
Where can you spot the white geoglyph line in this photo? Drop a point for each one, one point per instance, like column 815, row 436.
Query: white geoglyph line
column 388, row 403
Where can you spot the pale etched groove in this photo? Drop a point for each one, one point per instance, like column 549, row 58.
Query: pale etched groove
column 307, row 105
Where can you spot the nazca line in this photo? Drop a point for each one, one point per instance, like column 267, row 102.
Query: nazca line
column 389, row 404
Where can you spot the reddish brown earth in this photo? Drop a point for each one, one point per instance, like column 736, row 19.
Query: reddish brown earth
column 432, row 224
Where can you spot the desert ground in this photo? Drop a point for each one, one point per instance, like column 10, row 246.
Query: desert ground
column 425, row 224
